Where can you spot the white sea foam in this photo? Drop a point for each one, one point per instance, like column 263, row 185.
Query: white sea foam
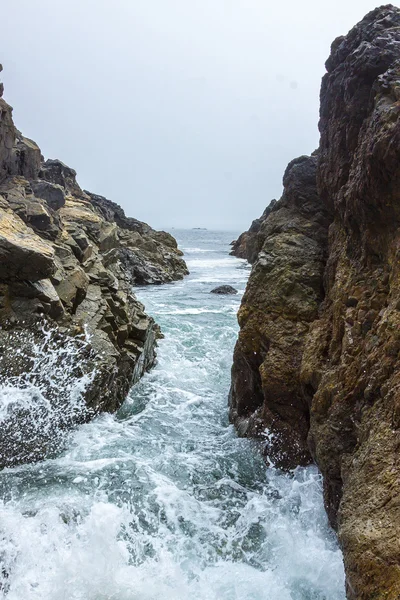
column 38, row 406
column 197, row 250
column 200, row 311
column 211, row 263
column 98, row 550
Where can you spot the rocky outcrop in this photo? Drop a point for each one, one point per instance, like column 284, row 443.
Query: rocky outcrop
column 224, row 289
column 332, row 383
column 280, row 302
column 250, row 242
column 72, row 258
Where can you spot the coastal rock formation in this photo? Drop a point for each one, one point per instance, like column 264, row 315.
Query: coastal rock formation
column 281, row 300
column 71, row 258
column 224, row 289
column 317, row 361
column 250, row 242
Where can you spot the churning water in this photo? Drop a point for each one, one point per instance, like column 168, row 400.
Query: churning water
column 162, row 500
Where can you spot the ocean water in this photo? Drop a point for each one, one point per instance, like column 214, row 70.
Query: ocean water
column 163, row 501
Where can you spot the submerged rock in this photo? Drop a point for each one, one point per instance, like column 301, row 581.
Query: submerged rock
column 71, row 258
column 224, row 289
column 317, row 360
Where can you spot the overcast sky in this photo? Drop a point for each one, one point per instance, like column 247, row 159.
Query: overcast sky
column 185, row 112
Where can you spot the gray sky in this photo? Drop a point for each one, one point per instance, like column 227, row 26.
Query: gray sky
column 185, row 112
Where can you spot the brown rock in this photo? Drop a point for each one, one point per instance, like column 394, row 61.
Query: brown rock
column 23, row 254
column 299, row 348
column 72, row 289
column 280, row 302
column 249, row 243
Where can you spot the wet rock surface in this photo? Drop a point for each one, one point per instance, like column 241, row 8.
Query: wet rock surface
column 250, row 242
column 71, row 258
column 280, row 303
column 224, row 289
column 317, row 361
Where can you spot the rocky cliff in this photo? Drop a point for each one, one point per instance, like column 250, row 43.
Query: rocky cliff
column 316, row 367
column 281, row 300
column 69, row 258
column 250, row 242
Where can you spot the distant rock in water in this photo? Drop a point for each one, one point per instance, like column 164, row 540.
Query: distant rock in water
column 71, row 258
column 316, row 370
column 224, row 289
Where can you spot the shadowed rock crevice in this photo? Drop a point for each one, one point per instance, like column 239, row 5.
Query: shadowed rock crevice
column 337, row 351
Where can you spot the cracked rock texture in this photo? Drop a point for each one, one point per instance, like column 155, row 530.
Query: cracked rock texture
column 317, row 362
column 72, row 258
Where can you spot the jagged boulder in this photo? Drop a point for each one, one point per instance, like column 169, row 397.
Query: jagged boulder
column 23, row 254
column 56, row 172
column 52, row 193
column 151, row 257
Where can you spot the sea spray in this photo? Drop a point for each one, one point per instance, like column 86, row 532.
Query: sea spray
column 42, row 391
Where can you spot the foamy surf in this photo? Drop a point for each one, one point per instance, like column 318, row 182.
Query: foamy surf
column 196, row 250
column 163, row 501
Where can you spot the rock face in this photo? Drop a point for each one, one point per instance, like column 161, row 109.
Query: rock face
column 280, row 302
column 71, row 258
column 250, row 242
column 317, row 361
